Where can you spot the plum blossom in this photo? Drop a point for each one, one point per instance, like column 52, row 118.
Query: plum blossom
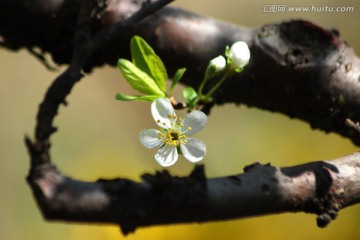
column 239, row 55
column 172, row 135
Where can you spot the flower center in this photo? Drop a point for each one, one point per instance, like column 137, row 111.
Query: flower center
column 175, row 135
column 172, row 135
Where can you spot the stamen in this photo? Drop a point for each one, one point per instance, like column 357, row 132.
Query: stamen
column 158, row 121
column 169, row 115
column 189, row 128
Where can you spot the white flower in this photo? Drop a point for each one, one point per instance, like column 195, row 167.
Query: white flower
column 216, row 65
column 239, row 55
column 171, row 136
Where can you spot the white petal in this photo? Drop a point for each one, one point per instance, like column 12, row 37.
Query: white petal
column 167, row 155
column 194, row 150
column 240, row 54
column 196, row 120
column 160, row 109
column 149, row 138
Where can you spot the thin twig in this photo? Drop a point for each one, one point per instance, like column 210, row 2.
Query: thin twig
column 353, row 125
column 42, row 59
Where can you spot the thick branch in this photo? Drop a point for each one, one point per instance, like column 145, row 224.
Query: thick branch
column 321, row 188
column 297, row 68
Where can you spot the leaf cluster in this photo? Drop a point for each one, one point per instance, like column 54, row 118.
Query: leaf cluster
column 146, row 73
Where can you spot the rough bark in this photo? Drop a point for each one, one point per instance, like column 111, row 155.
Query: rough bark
column 297, row 68
column 322, row 188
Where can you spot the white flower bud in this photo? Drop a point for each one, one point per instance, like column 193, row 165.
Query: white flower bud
column 219, row 63
column 239, row 54
column 216, row 65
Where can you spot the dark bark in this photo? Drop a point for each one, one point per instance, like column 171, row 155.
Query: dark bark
column 321, row 188
column 296, row 68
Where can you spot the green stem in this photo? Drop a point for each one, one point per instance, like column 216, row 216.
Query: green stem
column 201, row 87
column 218, row 84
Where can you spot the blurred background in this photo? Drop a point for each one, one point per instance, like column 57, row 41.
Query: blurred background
column 98, row 137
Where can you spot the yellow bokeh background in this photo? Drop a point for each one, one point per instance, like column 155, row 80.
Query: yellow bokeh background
column 98, row 137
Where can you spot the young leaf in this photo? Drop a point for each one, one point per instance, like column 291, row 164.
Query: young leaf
column 177, row 77
column 138, row 79
column 190, row 96
column 144, row 57
column 148, row 98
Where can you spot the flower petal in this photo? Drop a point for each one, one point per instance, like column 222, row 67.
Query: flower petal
column 149, row 138
column 196, row 120
column 160, row 110
column 167, row 155
column 194, row 150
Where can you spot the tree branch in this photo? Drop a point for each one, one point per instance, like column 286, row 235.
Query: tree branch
column 85, row 46
column 322, row 188
column 297, row 68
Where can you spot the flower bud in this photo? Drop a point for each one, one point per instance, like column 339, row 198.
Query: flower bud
column 216, row 65
column 239, row 55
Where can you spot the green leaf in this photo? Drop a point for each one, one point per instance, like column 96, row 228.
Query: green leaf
column 190, row 96
column 177, row 77
column 138, row 79
column 147, row 98
column 144, row 57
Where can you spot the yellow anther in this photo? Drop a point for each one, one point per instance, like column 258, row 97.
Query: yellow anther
column 174, row 117
column 185, row 141
column 180, row 119
column 181, row 125
column 158, row 121
column 189, row 128
column 169, row 116
column 164, row 124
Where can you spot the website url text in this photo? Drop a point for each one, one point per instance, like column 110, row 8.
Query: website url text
column 280, row 8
